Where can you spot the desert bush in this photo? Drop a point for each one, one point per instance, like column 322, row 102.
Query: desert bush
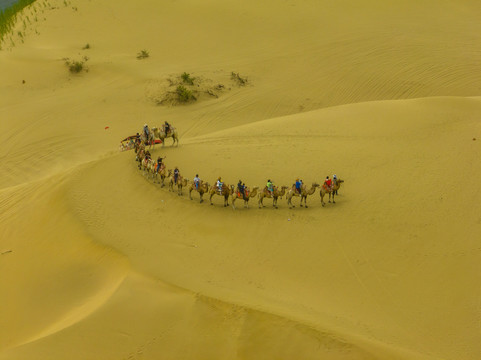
column 76, row 66
column 143, row 54
column 240, row 80
column 187, row 79
column 184, row 95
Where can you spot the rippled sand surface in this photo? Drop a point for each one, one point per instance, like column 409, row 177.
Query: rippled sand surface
column 99, row 262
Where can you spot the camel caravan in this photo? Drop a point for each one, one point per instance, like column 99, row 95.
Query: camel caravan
column 176, row 182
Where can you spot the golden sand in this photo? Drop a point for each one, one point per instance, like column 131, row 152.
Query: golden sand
column 98, row 262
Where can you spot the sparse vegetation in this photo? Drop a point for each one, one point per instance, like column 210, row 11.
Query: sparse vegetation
column 9, row 15
column 237, row 78
column 187, row 79
column 143, row 54
column 184, row 94
column 87, row 46
column 184, row 89
column 76, row 66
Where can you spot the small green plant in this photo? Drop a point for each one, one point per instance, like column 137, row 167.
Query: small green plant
column 87, row 46
column 184, row 95
column 76, row 66
column 240, row 80
column 143, row 54
column 187, row 79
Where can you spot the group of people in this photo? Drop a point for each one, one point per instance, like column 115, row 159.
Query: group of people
column 241, row 187
column 146, row 130
column 328, row 184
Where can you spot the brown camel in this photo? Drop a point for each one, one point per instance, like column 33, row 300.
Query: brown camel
column 181, row 182
column 225, row 192
column 249, row 194
column 148, row 139
column 162, row 173
column 202, row 189
column 146, row 165
column 275, row 195
column 161, row 135
column 140, row 155
column 330, row 191
column 304, row 193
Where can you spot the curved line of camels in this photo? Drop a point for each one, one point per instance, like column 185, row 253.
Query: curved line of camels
column 149, row 167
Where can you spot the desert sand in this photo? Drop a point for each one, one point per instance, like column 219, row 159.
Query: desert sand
column 98, row 262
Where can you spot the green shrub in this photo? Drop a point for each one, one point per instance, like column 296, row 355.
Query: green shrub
column 143, row 54
column 76, row 66
column 187, row 79
column 240, row 80
column 184, row 95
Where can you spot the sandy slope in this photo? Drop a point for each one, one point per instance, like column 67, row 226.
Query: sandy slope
column 99, row 262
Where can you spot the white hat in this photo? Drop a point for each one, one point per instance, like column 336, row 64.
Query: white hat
column 334, row 176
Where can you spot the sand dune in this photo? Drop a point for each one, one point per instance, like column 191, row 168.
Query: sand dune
column 97, row 261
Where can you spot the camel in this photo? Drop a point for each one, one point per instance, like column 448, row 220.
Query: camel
column 147, row 165
column 330, row 191
column 138, row 145
column 304, row 193
column 225, row 192
column 267, row 194
column 181, row 182
column 249, row 194
column 203, row 188
column 140, row 156
column 162, row 172
column 160, row 133
column 148, row 140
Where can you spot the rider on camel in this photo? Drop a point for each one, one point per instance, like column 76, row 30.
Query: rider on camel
column 146, row 131
column 166, row 127
column 219, row 184
column 327, row 183
column 197, row 181
column 241, row 189
column 298, row 185
column 176, row 175
column 159, row 163
column 270, row 187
